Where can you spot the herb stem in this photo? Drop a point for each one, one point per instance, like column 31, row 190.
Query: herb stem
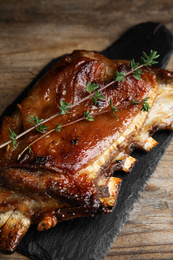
column 28, row 146
column 131, row 71
column 53, row 116
column 54, row 129
column 135, row 67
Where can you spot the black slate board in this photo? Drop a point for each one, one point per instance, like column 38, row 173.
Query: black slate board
column 90, row 238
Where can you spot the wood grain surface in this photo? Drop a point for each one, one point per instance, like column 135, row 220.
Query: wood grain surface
column 32, row 33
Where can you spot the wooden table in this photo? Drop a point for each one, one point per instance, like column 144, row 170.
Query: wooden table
column 32, row 33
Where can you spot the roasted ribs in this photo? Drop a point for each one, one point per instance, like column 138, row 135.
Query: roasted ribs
column 69, row 173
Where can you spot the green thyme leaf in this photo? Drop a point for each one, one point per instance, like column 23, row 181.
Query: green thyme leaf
column 35, row 121
column 145, row 105
column 41, row 128
column 149, row 60
column 64, row 107
column 114, row 109
column 136, row 71
column 137, row 74
column 58, row 128
column 115, row 116
column 135, row 102
column 133, row 64
column 111, row 103
column 95, row 100
column 13, row 136
column 98, row 95
column 30, row 149
column 119, row 76
column 91, row 87
column 87, row 116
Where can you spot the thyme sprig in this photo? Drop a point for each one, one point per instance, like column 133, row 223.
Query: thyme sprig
column 58, row 128
column 91, row 87
column 145, row 105
column 64, row 107
column 88, row 116
column 35, row 121
column 135, row 67
column 13, row 136
column 149, row 60
column 119, row 76
column 146, row 60
column 135, row 102
column 114, row 109
column 30, row 149
column 94, row 93
column 98, row 95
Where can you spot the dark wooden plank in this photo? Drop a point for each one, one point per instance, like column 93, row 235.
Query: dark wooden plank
column 34, row 32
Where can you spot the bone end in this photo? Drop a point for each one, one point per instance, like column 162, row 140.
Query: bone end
column 47, row 222
column 4, row 216
column 149, row 144
column 128, row 163
column 13, row 231
column 114, row 185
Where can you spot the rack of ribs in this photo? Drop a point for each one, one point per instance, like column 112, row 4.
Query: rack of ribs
column 70, row 174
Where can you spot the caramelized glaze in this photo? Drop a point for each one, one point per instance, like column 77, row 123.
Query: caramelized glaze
column 69, row 174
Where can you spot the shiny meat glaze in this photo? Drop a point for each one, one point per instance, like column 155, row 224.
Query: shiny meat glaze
column 69, row 174
column 160, row 117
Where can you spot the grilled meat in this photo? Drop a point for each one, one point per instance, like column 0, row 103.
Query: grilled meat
column 69, row 174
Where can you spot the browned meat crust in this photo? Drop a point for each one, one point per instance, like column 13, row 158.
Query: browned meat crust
column 70, row 174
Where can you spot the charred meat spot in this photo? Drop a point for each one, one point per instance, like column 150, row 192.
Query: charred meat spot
column 74, row 141
column 40, row 160
column 115, row 85
column 103, row 191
